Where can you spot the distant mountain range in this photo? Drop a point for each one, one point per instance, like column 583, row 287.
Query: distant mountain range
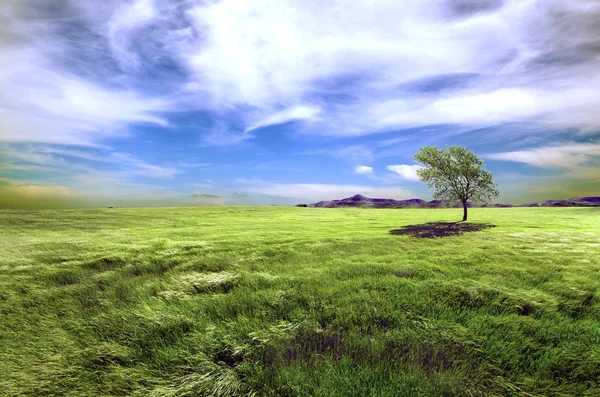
column 361, row 201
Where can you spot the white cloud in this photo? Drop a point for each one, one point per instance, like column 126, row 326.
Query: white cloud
column 339, row 70
column 363, row 170
column 46, row 98
column 49, row 107
column 265, row 53
column 408, row 172
column 125, row 20
column 566, row 156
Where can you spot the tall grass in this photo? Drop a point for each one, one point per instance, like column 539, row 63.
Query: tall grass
column 265, row 301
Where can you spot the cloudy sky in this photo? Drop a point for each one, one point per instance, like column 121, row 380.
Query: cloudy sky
column 189, row 102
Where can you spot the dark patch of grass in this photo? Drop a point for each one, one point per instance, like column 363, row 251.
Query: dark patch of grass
column 577, row 303
column 408, row 272
column 106, row 263
column 65, row 277
column 226, row 355
column 428, row 351
column 151, row 265
column 317, row 344
column 163, row 331
column 440, row 229
column 576, row 365
column 435, row 353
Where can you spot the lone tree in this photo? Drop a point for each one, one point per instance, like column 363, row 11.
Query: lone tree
column 456, row 174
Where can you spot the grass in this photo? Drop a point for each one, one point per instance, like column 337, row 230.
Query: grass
column 274, row 301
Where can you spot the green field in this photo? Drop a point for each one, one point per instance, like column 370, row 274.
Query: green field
column 277, row 301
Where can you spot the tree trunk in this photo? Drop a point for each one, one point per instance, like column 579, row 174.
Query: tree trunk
column 465, row 210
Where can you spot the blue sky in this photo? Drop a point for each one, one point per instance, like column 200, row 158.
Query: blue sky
column 193, row 102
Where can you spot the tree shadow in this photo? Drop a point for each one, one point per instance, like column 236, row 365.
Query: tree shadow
column 440, row 229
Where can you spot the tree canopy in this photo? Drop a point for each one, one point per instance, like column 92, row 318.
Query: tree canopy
column 456, row 174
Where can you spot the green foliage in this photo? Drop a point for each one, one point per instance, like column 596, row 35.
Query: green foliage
column 277, row 301
column 456, row 174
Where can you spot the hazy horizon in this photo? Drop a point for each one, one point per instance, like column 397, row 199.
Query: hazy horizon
column 185, row 102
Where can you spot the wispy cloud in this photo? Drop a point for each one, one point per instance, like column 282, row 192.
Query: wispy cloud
column 41, row 105
column 305, row 113
column 394, row 74
column 572, row 155
column 570, row 170
column 341, row 70
column 51, row 158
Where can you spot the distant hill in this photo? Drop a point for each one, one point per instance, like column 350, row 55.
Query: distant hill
column 360, row 201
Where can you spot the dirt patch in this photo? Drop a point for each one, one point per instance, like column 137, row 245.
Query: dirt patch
column 440, row 229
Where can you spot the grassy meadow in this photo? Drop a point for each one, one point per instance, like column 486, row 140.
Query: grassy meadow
column 282, row 301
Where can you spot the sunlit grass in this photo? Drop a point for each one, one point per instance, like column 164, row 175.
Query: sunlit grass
column 298, row 302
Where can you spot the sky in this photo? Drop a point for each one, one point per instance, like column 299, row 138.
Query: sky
column 259, row 102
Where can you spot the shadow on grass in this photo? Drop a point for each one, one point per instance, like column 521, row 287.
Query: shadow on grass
column 440, row 229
